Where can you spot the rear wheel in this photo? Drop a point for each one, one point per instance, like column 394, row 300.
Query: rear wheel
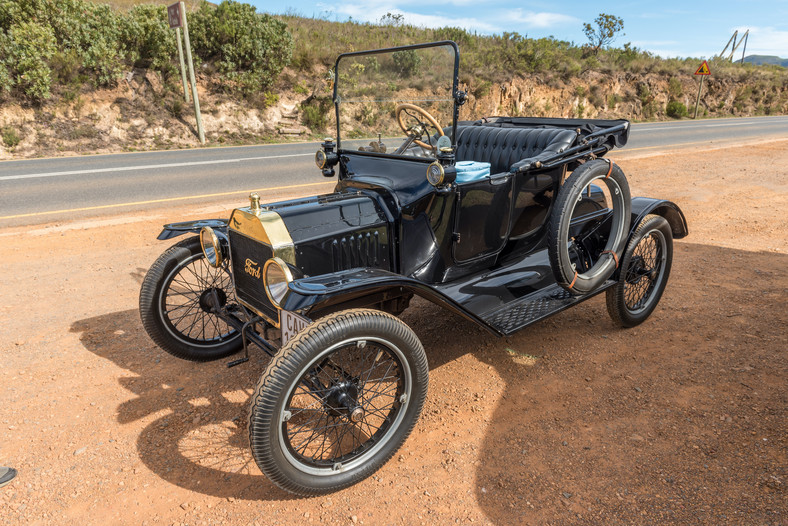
column 337, row 401
column 645, row 269
column 176, row 301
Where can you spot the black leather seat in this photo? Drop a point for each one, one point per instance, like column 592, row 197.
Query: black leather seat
column 503, row 147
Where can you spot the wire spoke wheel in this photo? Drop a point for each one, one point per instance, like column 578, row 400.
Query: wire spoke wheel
column 178, row 301
column 337, row 401
column 338, row 414
column 647, row 261
column 644, row 273
column 188, row 296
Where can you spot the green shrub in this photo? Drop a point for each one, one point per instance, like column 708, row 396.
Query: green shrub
column 147, row 37
column 251, row 49
column 270, row 98
column 482, row 89
column 6, row 83
column 175, row 107
column 10, row 136
column 26, row 50
column 92, row 30
column 314, row 112
column 674, row 88
column 301, row 88
column 676, row 109
column 408, row 62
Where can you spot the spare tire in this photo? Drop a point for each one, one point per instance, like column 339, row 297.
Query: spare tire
column 566, row 275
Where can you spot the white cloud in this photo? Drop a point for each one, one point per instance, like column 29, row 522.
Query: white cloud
column 369, row 12
column 365, row 13
column 543, row 20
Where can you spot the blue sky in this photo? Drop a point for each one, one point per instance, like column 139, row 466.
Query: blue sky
column 666, row 27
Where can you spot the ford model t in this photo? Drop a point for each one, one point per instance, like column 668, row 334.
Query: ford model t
column 504, row 221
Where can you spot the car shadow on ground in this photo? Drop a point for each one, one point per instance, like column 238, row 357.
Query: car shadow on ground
column 675, row 421
column 194, row 414
column 594, row 422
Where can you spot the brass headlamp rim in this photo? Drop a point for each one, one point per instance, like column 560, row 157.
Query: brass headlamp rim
column 215, row 245
column 321, row 161
column 285, row 268
column 442, row 173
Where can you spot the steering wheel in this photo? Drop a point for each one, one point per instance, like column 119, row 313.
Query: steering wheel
column 400, row 111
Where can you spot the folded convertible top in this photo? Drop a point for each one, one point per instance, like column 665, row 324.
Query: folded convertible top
column 584, row 127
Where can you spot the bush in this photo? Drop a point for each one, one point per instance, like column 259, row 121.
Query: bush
column 147, row 37
column 674, row 88
column 92, row 30
column 26, row 50
column 10, row 136
column 407, row 62
column 676, row 109
column 314, row 112
column 251, row 48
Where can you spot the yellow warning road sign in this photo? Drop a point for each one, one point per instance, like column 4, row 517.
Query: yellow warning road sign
column 703, row 69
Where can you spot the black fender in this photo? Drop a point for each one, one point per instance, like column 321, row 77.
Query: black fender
column 315, row 292
column 178, row 229
column 643, row 206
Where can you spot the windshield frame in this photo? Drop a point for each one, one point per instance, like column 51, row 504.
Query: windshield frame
column 454, row 85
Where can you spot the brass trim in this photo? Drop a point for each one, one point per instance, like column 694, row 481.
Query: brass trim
column 323, row 159
column 288, row 278
column 266, row 227
column 442, row 176
column 217, row 248
column 254, row 203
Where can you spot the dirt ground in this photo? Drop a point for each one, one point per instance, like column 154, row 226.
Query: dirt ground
column 572, row 421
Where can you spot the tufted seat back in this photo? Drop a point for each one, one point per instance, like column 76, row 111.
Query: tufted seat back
column 502, row 147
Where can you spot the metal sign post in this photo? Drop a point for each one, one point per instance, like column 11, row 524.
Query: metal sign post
column 183, row 65
column 177, row 18
column 174, row 18
column 703, row 71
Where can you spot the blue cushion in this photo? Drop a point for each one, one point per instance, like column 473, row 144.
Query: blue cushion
column 468, row 171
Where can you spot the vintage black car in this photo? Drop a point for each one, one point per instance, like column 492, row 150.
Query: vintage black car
column 503, row 221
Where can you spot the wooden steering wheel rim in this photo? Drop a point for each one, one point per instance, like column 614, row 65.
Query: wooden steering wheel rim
column 425, row 114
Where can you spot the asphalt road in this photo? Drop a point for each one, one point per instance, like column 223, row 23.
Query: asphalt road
column 41, row 190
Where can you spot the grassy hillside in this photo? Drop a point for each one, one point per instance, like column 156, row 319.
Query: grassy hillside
column 59, row 57
column 766, row 59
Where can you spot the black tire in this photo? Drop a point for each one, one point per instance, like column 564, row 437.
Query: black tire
column 174, row 304
column 569, row 195
column 645, row 269
column 301, row 393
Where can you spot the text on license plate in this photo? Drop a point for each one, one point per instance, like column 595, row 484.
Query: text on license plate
column 291, row 324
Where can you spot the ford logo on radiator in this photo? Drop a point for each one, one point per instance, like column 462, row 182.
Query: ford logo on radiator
column 252, row 268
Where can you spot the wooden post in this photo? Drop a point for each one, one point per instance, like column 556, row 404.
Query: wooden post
column 697, row 101
column 183, row 65
column 196, row 100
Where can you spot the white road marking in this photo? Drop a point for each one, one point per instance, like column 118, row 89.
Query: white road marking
column 149, row 167
column 677, row 126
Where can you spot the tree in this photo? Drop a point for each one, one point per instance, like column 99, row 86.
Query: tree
column 605, row 31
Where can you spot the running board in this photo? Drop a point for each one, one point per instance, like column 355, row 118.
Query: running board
column 522, row 312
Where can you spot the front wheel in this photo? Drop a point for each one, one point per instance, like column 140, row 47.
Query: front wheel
column 177, row 297
column 337, row 401
column 645, row 268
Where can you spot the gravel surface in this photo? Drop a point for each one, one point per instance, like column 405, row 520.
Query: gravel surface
column 572, row 421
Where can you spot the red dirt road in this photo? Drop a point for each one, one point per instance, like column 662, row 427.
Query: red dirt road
column 573, row 421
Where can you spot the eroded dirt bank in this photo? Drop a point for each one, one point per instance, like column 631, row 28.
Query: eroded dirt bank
column 573, row 421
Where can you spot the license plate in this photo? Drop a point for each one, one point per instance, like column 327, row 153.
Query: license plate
column 291, row 324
